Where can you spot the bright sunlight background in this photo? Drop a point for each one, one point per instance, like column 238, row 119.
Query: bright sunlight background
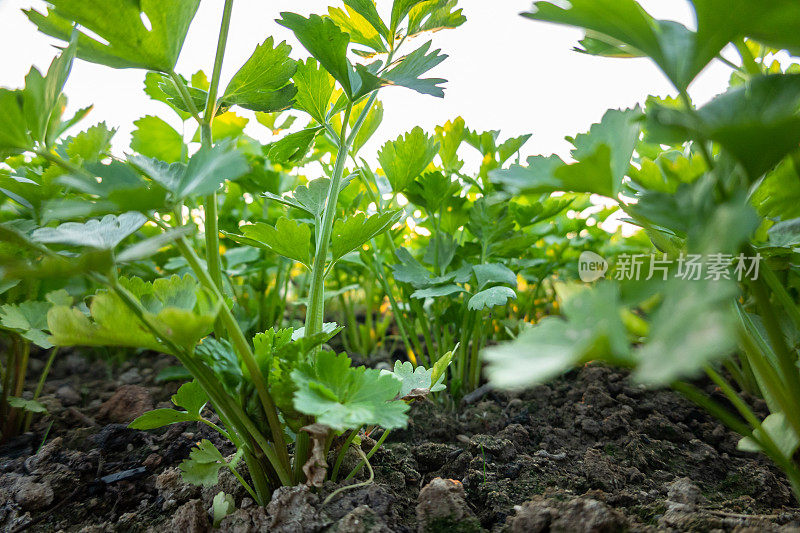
column 504, row 72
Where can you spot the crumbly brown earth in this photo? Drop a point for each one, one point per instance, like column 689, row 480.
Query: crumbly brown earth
column 588, row 452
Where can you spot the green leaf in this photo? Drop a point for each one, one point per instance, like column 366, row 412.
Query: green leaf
column 435, row 15
column 277, row 356
column 405, row 158
column 91, row 145
column 436, row 292
column 31, row 406
column 494, row 273
column 13, row 126
column 328, row 44
column 263, row 82
column 439, row 369
column 104, row 234
column 43, row 102
column 602, row 160
column 220, row 357
column 450, row 136
column 400, row 10
column 293, row 147
column 758, row 122
column 149, row 247
column 370, row 125
column 161, row 88
column 785, row 233
column 288, row 238
column 490, row 297
column 310, row 198
column 29, row 319
column 593, row 330
column 680, row 53
column 313, row 197
column 778, row 194
column 314, row 89
column 342, row 397
column 408, row 72
column 410, row 378
column 367, row 9
column 693, row 326
column 155, row 138
column 191, row 397
column 159, row 418
column 171, row 304
column 432, row 190
column 206, row 171
column 221, row 506
column 116, row 33
column 202, row 466
column 227, row 125
column 59, row 297
column 409, row 270
column 777, row 427
column 360, row 30
column 352, row 232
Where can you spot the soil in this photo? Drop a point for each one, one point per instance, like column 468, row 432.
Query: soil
column 588, row 452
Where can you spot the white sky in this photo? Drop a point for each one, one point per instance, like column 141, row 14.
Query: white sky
column 505, row 72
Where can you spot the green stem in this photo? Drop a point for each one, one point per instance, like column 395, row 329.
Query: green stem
column 242, row 347
column 185, row 96
column 701, row 143
column 787, row 361
column 40, row 384
column 232, row 467
column 210, row 203
column 342, row 453
column 771, row 381
column 764, row 439
column 466, row 332
column 255, row 467
column 316, row 299
column 781, row 295
column 748, row 61
column 365, row 459
column 475, row 362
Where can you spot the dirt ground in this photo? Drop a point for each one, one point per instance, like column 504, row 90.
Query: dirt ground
column 589, row 452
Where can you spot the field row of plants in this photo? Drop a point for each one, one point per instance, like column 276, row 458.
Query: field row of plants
column 265, row 269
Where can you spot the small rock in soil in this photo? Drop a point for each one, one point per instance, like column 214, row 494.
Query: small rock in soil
column 432, row 456
column 253, row 519
column 362, row 519
column 293, row 510
column 32, row 496
column 68, row 396
column 441, row 507
column 683, row 495
column 129, row 402
column 130, row 377
column 33, row 462
column 191, row 517
column 492, row 448
column 171, row 486
column 581, row 515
